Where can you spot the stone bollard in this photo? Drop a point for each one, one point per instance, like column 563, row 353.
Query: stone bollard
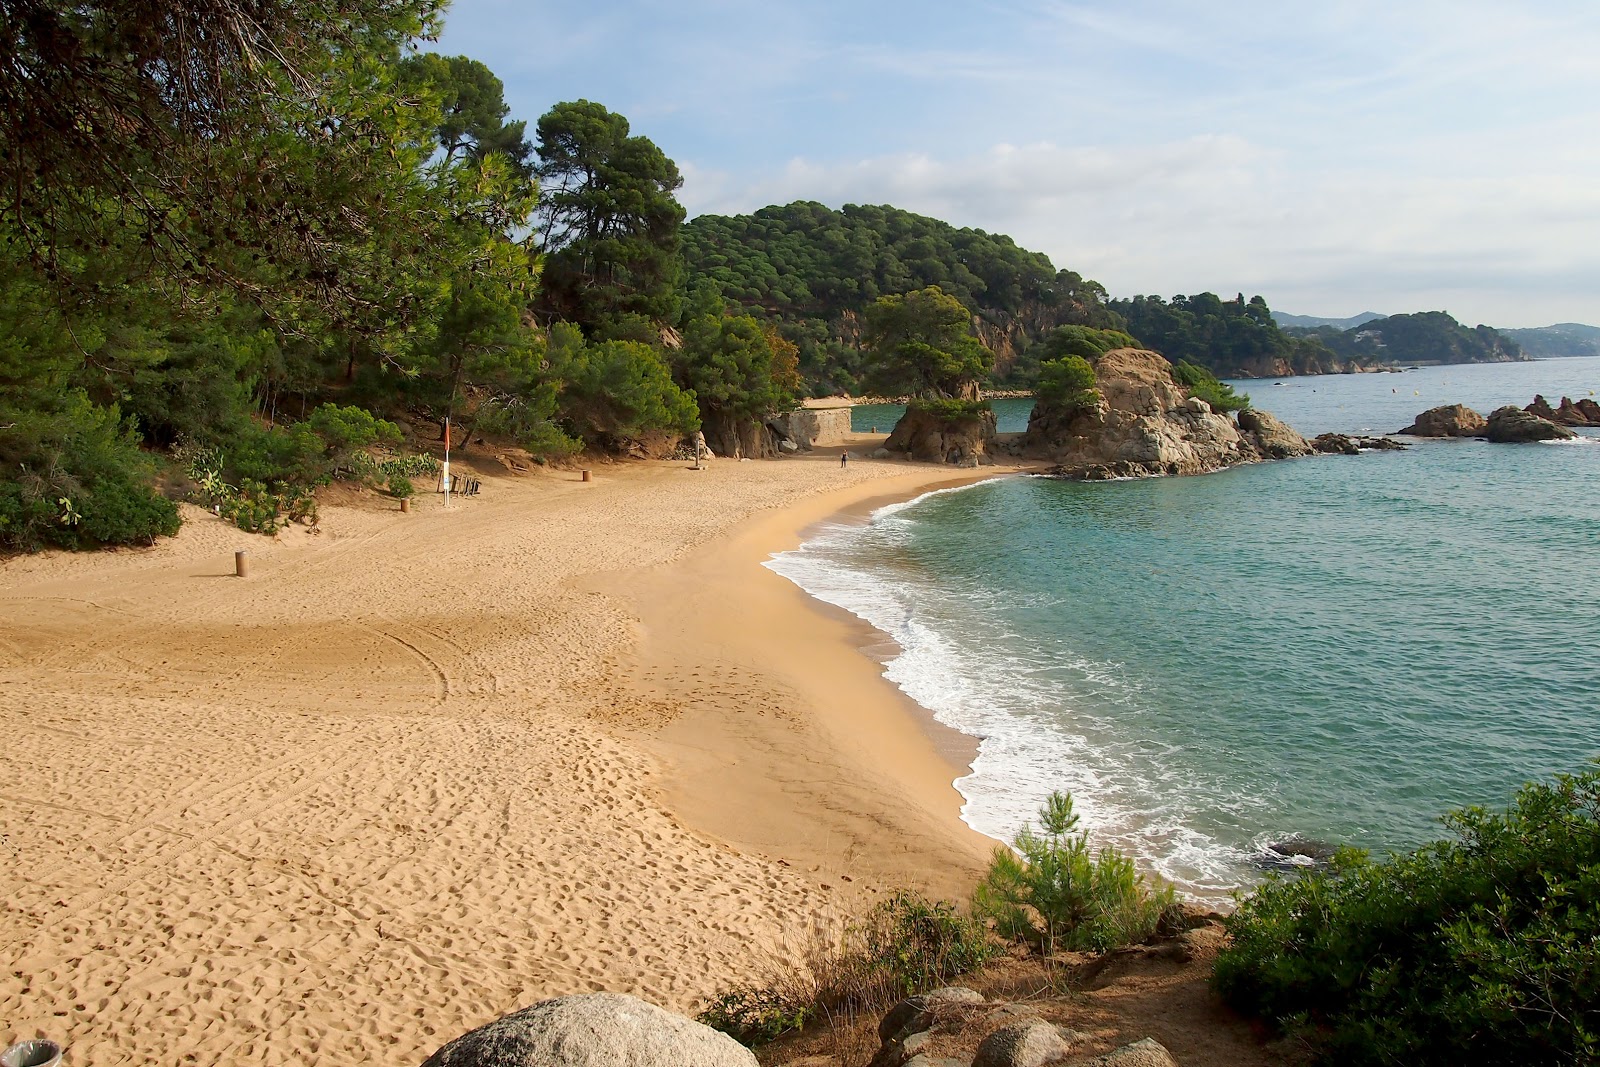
column 587, row 475
column 241, row 564
column 405, row 505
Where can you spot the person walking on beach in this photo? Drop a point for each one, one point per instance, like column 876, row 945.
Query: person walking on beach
column 844, row 458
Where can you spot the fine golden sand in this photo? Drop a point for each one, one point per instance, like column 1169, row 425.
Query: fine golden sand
column 420, row 770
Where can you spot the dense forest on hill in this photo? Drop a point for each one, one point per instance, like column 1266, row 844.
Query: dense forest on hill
column 1425, row 337
column 1235, row 338
column 816, row 271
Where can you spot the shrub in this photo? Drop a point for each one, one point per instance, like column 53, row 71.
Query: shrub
column 1481, row 949
column 1057, row 895
column 80, row 480
column 400, row 486
column 906, row 945
column 1203, row 384
column 950, row 410
column 1067, row 383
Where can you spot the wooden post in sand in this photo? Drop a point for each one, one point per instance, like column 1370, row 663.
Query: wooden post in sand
column 241, row 564
column 587, row 476
column 405, row 505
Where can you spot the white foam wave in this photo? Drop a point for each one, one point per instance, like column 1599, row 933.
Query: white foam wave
column 1015, row 702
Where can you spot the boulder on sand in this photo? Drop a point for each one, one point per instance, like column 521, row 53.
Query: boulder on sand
column 593, row 1030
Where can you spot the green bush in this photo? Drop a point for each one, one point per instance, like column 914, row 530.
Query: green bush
column 80, row 480
column 1481, row 949
column 1067, row 384
column 400, row 486
column 950, row 410
column 1205, row 385
column 906, row 945
column 1057, row 895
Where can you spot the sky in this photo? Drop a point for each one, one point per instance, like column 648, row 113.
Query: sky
column 1334, row 157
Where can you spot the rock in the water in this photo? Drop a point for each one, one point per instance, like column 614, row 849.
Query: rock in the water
column 915, row 1014
column 1345, row 444
column 1146, row 1053
column 1540, row 407
column 1449, row 420
column 1025, row 1044
column 1145, row 424
column 1512, row 425
column 593, row 1030
column 1584, row 413
column 1272, row 437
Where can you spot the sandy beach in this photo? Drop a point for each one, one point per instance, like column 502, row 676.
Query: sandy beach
column 421, row 770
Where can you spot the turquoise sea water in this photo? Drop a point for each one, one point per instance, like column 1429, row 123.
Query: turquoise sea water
column 1340, row 648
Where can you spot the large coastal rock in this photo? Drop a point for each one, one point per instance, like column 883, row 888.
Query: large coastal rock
column 1449, row 420
column 1513, row 425
column 593, row 1030
column 1146, row 424
column 1583, row 413
column 930, row 437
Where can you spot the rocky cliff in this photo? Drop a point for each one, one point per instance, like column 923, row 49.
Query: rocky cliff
column 1145, row 424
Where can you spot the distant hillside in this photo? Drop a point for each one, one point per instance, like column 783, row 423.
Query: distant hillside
column 1232, row 338
column 1309, row 322
column 1426, row 337
column 1562, row 339
column 815, row 269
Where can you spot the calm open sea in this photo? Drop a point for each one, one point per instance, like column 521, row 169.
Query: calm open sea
column 1340, row 648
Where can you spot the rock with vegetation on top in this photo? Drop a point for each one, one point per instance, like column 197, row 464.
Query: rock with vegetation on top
column 1447, row 420
column 593, row 1030
column 1512, row 425
column 1146, row 1053
column 1143, row 423
column 936, row 435
column 1025, row 1044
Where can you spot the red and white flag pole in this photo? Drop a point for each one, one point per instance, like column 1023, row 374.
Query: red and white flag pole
column 447, row 461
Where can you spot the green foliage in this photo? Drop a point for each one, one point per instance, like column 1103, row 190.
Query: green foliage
column 1203, row 384
column 906, row 945
column 951, row 410
column 608, row 222
column 816, row 271
column 1067, row 384
column 923, row 345
column 1082, row 341
column 616, row 388
column 80, row 480
column 1053, row 893
column 729, row 364
column 1481, row 949
column 400, row 486
column 1231, row 338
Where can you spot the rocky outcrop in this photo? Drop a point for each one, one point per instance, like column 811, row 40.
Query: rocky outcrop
column 1449, row 420
column 739, row 438
column 593, row 1030
column 1513, row 425
column 1354, row 445
column 931, row 437
column 1583, row 413
column 1146, row 424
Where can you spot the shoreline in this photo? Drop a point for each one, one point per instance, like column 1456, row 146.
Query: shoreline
column 831, row 733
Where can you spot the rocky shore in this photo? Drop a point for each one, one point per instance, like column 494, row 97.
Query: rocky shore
column 1537, row 421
